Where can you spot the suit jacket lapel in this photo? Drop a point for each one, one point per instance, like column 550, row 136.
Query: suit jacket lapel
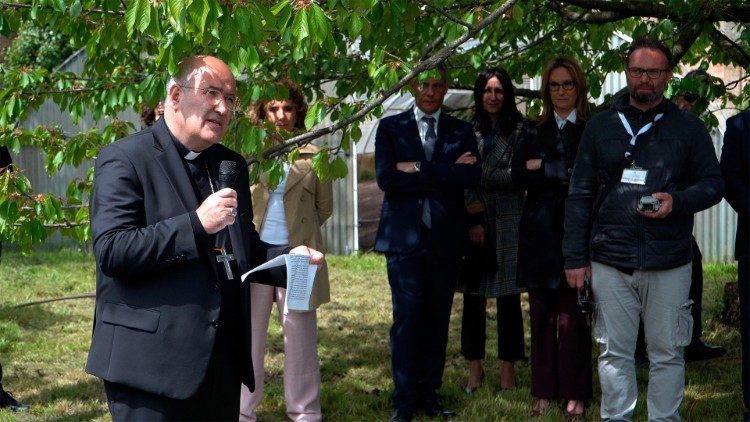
column 413, row 132
column 173, row 167
column 444, row 128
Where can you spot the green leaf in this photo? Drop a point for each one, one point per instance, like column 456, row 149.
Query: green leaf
column 145, row 18
column 198, row 12
column 318, row 23
column 75, row 9
column 355, row 25
column 339, row 169
column 280, row 6
column 321, row 165
column 59, row 5
column 300, row 27
column 131, row 16
column 312, row 114
column 177, row 11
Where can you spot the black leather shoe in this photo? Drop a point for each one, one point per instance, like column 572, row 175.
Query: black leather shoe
column 701, row 351
column 7, row 400
column 438, row 411
column 401, row 415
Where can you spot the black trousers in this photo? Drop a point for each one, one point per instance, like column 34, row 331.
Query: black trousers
column 743, row 281
column 217, row 398
column 422, row 286
column 510, row 345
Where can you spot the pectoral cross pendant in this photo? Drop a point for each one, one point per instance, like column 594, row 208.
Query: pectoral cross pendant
column 225, row 258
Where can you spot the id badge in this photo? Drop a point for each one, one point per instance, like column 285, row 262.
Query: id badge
column 634, row 176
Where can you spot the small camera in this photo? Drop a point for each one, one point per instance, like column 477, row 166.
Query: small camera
column 586, row 297
column 648, row 203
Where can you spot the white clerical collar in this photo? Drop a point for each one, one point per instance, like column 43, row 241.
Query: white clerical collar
column 192, row 155
column 561, row 122
column 418, row 114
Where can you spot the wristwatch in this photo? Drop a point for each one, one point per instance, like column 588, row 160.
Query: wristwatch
column 417, row 166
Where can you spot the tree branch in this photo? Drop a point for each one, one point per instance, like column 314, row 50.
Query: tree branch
column 686, row 38
column 627, row 8
column 422, row 66
column 734, row 50
column 536, row 42
column 4, row 4
column 56, row 299
column 585, row 17
column 445, row 13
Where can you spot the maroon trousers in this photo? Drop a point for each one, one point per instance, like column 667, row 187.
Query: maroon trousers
column 560, row 346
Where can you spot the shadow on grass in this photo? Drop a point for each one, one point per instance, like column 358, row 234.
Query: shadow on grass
column 80, row 401
column 38, row 318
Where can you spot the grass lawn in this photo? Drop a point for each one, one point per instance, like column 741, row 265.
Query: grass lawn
column 43, row 349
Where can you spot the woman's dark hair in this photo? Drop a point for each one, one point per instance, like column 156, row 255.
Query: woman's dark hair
column 509, row 114
column 582, row 89
column 148, row 116
column 257, row 113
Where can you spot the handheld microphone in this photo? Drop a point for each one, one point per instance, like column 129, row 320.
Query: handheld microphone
column 227, row 174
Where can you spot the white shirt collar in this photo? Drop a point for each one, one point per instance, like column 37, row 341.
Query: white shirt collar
column 192, row 155
column 561, row 122
column 418, row 114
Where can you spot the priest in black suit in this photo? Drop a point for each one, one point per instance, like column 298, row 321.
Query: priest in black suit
column 171, row 336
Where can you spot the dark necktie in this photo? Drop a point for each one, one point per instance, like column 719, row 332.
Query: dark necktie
column 430, row 138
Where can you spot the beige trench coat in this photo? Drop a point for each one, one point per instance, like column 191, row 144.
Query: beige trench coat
column 308, row 202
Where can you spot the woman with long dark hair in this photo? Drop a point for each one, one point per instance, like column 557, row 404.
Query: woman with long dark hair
column 495, row 208
column 543, row 164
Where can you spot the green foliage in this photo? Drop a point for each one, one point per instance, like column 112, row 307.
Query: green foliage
column 37, row 47
column 345, row 54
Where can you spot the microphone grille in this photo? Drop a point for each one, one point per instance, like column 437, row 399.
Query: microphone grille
column 227, row 172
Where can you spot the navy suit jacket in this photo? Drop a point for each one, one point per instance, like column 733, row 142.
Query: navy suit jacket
column 157, row 296
column 735, row 165
column 440, row 181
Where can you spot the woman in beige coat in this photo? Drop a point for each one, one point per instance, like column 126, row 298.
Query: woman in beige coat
column 290, row 214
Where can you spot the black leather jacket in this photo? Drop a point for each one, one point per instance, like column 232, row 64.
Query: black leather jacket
column 680, row 159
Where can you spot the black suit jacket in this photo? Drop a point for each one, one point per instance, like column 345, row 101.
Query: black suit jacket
column 5, row 159
column 157, row 295
column 440, row 181
column 735, row 165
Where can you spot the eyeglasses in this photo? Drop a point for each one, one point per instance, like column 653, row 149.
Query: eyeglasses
column 637, row 72
column 586, row 297
column 567, row 85
column 214, row 97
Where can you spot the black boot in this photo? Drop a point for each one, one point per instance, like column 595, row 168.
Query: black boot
column 698, row 350
column 7, row 400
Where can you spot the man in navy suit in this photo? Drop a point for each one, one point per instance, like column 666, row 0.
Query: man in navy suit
column 171, row 336
column 424, row 159
column 735, row 165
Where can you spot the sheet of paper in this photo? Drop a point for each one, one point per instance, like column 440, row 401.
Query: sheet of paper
column 300, row 278
column 276, row 262
column 299, row 282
